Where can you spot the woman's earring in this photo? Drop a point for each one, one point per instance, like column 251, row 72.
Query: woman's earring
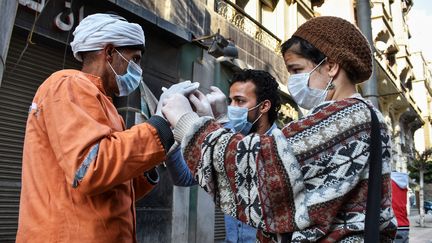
column 331, row 85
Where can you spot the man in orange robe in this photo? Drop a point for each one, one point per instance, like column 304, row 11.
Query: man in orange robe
column 82, row 171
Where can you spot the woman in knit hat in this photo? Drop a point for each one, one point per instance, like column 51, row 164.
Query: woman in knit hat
column 326, row 57
column 309, row 181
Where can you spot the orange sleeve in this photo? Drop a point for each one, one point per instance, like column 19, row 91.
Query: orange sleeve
column 83, row 129
column 142, row 186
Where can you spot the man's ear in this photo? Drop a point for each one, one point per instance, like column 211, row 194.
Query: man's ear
column 108, row 52
column 265, row 106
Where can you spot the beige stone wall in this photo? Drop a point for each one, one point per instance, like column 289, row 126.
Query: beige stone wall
column 201, row 19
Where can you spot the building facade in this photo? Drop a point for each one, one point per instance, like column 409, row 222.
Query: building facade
column 199, row 40
column 422, row 88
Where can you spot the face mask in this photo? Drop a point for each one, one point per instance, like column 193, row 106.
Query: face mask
column 129, row 81
column 302, row 94
column 238, row 118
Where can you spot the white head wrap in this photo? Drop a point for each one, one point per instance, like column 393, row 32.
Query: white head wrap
column 95, row 31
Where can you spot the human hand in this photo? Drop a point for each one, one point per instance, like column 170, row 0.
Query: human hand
column 201, row 104
column 218, row 102
column 175, row 107
column 183, row 88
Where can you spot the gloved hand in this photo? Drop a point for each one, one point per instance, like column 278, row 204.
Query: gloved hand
column 183, row 88
column 175, row 107
column 218, row 102
column 201, row 104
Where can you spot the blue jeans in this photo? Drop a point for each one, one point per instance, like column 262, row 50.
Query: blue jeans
column 402, row 236
column 237, row 231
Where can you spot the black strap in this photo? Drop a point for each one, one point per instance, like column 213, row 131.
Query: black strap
column 373, row 204
column 286, row 237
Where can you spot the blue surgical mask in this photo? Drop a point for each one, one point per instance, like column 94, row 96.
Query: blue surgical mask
column 238, row 118
column 129, row 81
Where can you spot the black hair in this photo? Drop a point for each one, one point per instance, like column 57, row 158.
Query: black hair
column 305, row 49
column 266, row 88
column 310, row 52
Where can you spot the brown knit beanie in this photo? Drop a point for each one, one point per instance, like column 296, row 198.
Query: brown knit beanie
column 340, row 41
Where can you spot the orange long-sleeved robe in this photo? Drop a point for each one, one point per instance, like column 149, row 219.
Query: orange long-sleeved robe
column 80, row 166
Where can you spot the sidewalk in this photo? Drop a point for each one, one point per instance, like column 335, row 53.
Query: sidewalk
column 418, row 234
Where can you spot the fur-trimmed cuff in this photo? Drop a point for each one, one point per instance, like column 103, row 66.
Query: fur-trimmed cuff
column 184, row 124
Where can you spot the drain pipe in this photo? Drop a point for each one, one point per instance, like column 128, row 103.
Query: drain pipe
column 370, row 87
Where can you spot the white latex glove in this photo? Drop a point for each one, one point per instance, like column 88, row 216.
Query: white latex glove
column 218, row 102
column 183, row 88
column 175, row 107
column 201, row 104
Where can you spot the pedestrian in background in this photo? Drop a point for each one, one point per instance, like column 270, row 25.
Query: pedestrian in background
column 400, row 182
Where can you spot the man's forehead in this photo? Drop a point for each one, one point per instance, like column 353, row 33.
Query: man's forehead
column 248, row 84
column 243, row 89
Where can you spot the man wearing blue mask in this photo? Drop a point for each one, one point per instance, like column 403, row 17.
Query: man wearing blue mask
column 254, row 102
column 82, row 170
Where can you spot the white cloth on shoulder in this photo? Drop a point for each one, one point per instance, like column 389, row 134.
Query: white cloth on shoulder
column 400, row 178
column 95, row 31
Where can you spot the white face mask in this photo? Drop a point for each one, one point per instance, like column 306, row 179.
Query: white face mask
column 302, row 94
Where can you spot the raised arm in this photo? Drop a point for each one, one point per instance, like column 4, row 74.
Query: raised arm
column 178, row 169
column 94, row 155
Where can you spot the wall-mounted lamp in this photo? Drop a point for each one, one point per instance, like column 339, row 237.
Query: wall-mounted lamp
column 224, row 51
column 230, row 50
column 219, row 45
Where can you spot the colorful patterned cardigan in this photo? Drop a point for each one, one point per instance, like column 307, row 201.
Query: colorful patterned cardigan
column 310, row 178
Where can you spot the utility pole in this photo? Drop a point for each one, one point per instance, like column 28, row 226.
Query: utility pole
column 370, row 87
column 421, row 195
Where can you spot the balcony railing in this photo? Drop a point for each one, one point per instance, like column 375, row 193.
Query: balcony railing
column 237, row 16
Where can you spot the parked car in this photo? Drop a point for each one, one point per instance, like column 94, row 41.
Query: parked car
column 428, row 207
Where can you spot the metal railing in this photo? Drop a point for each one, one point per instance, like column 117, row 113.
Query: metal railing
column 237, row 16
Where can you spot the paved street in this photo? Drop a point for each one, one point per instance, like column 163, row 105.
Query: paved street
column 417, row 233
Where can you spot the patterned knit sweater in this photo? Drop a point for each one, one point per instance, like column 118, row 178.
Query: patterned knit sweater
column 310, row 178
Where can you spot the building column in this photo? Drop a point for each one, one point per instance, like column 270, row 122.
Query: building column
column 398, row 157
column 180, row 217
column 201, row 216
column 7, row 19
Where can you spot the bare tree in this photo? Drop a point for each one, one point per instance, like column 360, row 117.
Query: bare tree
column 420, row 164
